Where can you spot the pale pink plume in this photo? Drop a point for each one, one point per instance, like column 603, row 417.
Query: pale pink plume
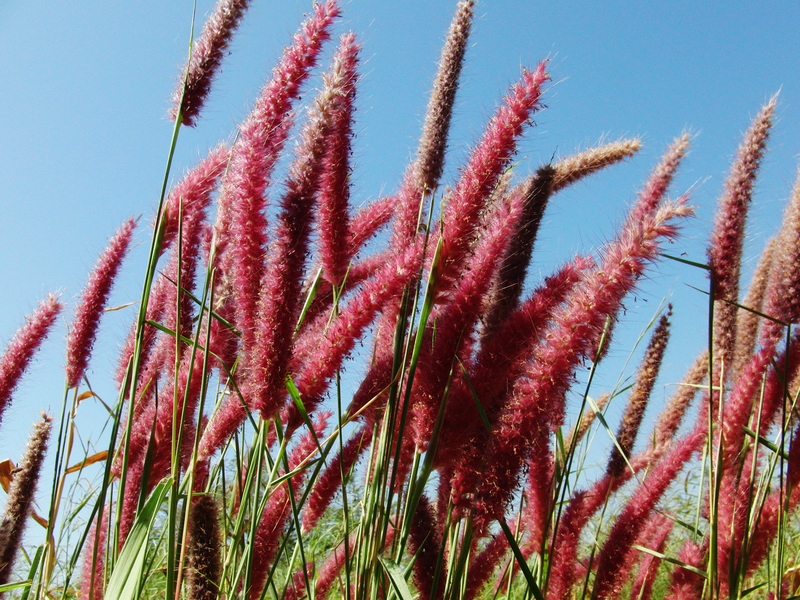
column 725, row 247
column 20, row 350
column 87, row 317
column 422, row 177
column 207, row 53
column 241, row 236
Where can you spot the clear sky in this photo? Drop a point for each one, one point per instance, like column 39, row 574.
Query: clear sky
column 84, row 89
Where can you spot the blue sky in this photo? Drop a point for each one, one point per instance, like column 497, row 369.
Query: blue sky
column 84, row 90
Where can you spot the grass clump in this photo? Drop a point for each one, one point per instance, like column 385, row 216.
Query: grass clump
column 237, row 465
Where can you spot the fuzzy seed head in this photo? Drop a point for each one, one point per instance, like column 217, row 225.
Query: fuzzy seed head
column 207, row 53
column 87, row 317
column 20, row 496
column 20, row 350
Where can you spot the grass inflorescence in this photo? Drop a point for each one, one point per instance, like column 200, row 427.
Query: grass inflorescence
column 237, row 464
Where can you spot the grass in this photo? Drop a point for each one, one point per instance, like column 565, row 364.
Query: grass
column 237, row 464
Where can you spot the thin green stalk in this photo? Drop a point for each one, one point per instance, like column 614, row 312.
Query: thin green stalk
column 560, row 496
column 418, row 481
column 295, row 510
column 739, row 567
column 345, row 505
column 66, row 435
column 784, row 504
column 262, row 503
column 427, row 309
column 713, row 468
column 440, row 559
column 177, row 428
column 155, row 247
column 188, row 484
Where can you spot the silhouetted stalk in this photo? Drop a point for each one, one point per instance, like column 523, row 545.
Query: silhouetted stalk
column 204, row 565
column 20, row 497
column 639, row 397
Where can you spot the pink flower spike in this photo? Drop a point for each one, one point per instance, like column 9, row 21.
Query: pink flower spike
column 23, row 346
column 581, row 507
column 347, row 328
column 207, row 52
column 457, row 319
column 241, row 223
column 537, row 408
column 747, row 322
column 265, row 363
column 783, row 299
column 725, row 247
column 334, row 192
column 660, row 179
column 424, row 543
column 427, row 169
column 686, row 584
column 87, row 317
column 478, row 178
column 669, row 421
column 192, row 194
column 368, row 221
column 500, row 354
column 611, row 569
column 484, row 564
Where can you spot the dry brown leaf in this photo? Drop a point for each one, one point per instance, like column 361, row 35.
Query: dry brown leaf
column 6, row 473
column 89, row 460
column 86, row 395
column 120, row 307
